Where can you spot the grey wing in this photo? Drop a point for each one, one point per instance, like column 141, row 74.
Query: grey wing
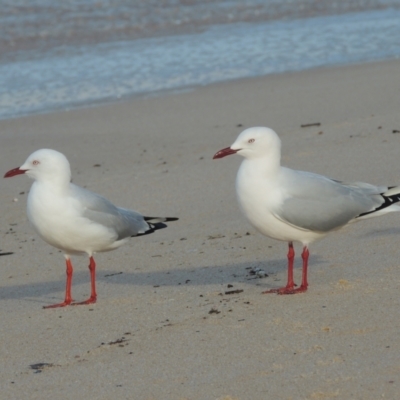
column 101, row 211
column 314, row 202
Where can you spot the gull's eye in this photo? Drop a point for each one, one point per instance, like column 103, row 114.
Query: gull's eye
column 35, row 162
column 251, row 140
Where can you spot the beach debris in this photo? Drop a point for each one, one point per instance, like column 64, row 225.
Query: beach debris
column 257, row 272
column 344, row 284
column 235, row 291
column 115, row 273
column 6, row 253
column 214, row 311
column 326, row 329
column 211, row 237
column 97, row 165
column 39, row 367
column 311, row 124
column 395, row 131
column 118, row 342
column 166, row 323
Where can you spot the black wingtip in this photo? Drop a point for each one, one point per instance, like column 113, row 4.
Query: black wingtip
column 157, row 224
column 161, row 219
column 153, row 227
column 388, row 201
column 170, row 219
column 160, row 223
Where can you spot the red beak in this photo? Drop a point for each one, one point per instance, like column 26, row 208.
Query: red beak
column 15, row 171
column 224, row 152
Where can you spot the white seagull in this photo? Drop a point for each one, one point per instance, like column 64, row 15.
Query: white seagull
column 291, row 205
column 74, row 219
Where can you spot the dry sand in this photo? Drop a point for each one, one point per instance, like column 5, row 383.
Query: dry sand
column 151, row 334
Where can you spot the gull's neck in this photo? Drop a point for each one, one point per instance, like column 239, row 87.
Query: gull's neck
column 56, row 184
column 265, row 167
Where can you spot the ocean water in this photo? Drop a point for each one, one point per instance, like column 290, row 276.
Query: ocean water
column 59, row 55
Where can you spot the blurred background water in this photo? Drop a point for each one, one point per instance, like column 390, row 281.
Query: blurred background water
column 63, row 54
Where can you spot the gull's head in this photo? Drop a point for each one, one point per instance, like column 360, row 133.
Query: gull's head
column 252, row 143
column 44, row 165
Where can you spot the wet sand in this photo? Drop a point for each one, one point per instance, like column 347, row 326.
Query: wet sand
column 165, row 325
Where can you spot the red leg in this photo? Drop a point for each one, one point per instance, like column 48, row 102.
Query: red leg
column 68, row 298
column 289, row 288
column 93, row 295
column 304, row 284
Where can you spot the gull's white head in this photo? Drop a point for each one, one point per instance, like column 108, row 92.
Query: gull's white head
column 44, row 165
column 257, row 142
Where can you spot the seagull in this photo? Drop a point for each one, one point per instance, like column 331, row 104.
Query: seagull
column 298, row 206
column 74, row 219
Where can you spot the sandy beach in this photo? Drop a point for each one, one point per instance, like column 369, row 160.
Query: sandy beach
column 164, row 326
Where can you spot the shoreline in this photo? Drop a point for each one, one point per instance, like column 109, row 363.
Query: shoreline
column 186, row 89
column 78, row 75
column 339, row 340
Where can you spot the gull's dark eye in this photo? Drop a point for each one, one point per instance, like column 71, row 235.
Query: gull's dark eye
column 35, row 162
column 251, row 140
